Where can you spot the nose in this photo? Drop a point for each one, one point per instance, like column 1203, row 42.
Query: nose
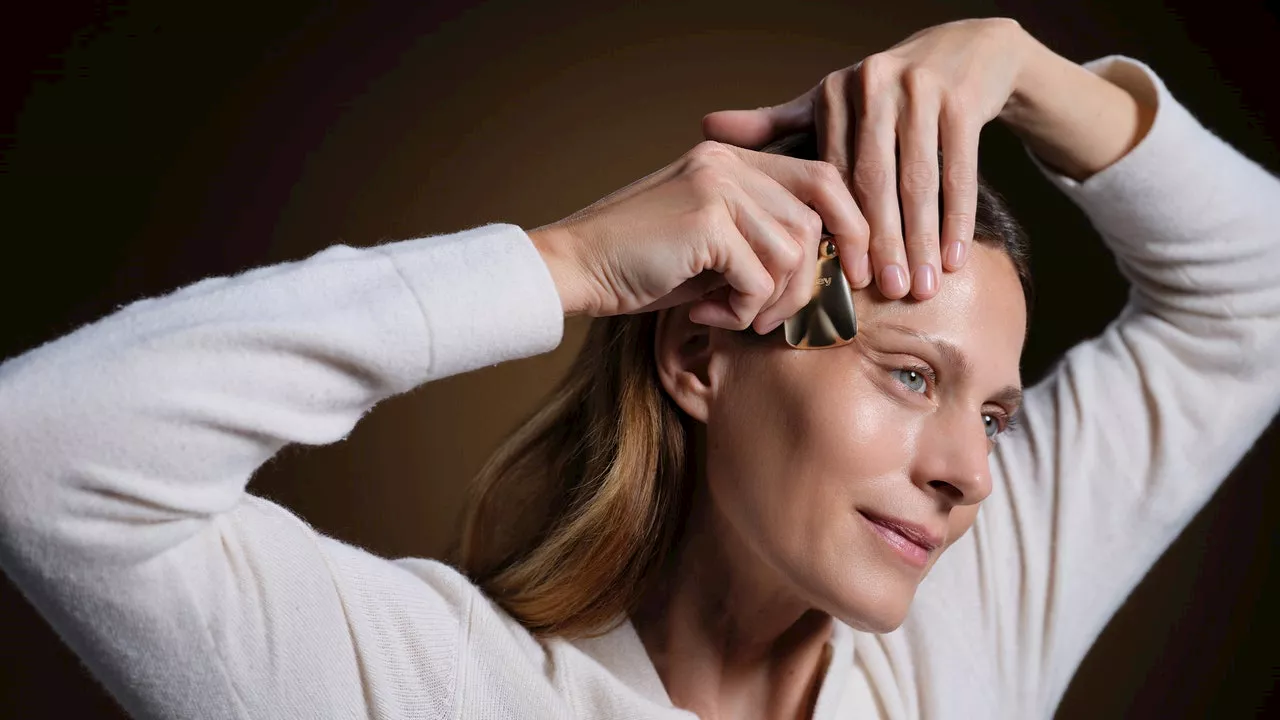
column 952, row 459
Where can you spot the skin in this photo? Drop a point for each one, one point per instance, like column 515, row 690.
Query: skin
column 796, row 442
column 738, row 626
column 934, row 91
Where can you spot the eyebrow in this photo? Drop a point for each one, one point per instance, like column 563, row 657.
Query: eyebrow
column 1010, row 395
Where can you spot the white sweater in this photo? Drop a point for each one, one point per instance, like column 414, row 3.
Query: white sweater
column 126, row 446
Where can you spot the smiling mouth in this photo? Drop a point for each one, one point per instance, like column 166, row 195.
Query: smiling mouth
column 911, row 543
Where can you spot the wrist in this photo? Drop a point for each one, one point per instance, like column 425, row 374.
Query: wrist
column 557, row 247
column 1074, row 121
column 1037, row 65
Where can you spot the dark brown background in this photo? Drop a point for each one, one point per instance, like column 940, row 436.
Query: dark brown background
column 147, row 145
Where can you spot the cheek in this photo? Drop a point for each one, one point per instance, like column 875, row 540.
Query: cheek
column 790, row 458
column 959, row 522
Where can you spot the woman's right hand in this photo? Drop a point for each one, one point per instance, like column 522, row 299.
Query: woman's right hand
column 736, row 230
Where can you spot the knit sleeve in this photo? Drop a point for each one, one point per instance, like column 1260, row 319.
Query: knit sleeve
column 126, row 447
column 1129, row 436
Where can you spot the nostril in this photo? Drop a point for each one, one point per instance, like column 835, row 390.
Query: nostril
column 946, row 488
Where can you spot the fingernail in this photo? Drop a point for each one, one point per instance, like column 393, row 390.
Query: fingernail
column 862, row 271
column 955, row 255
column 893, row 281
column 926, row 280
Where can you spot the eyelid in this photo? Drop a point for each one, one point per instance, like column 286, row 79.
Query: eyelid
column 1009, row 421
column 927, row 370
column 915, row 364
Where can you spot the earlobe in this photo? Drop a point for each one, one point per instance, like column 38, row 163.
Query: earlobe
column 683, row 351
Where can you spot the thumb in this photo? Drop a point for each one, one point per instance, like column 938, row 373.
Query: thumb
column 757, row 128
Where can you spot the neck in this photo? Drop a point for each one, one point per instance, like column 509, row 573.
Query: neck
column 726, row 635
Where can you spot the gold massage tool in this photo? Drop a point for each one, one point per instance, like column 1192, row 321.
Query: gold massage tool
column 828, row 320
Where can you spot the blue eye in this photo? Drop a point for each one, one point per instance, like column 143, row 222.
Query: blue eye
column 912, row 379
column 992, row 425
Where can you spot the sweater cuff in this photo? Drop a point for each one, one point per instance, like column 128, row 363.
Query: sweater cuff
column 1113, row 196
column 486, row 295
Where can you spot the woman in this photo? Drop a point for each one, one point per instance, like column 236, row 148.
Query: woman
column 776, row 568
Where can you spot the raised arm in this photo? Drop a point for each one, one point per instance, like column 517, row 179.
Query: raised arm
column 1128, row 438
column 125, row 448
column 1134, row 430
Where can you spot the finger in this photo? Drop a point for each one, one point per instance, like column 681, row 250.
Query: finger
column 875, row 188
column 836, row 110
column 698, row 286
column 959, row 138
column 736, row 254
column 793, row 272
column 918, row 187
column 757, row 128
column 820, row 185
column 781, row 253
column 715, row 310
column 831, row 110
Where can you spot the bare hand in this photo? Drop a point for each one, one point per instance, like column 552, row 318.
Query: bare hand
column 937, row 87
column 734, row 230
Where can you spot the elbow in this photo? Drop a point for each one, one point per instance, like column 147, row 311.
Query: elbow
column 15, row 444
column 30, row 449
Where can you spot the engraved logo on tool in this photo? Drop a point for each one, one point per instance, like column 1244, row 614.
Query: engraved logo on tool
column 828, row 319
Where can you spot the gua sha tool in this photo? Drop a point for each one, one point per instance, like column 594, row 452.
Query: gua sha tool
column 828, row 320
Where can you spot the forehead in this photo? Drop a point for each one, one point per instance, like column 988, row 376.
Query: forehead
column 980, row 309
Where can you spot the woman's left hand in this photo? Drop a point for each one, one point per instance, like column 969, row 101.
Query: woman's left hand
column 937, row 87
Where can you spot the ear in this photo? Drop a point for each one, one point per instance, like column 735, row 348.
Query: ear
column 684, row 352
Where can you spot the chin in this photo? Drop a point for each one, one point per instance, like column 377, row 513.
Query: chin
column 883, row 620
column 879, row 625
column 881, row 611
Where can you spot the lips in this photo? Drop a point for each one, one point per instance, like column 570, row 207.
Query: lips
column 925, row 539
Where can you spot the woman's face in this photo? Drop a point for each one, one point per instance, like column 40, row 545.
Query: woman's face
column 815, row 459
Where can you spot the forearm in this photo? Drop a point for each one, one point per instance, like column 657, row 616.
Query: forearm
column 1133, row 431
column 122, row 439
column 1074, row 120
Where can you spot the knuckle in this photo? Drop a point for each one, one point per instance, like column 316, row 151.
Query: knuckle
column 826, row 173
column 922, row 245
column 767, row 287
column 790, row 254
column 831, row 90
column 886, row 245
column 709, row 179
column 862, row 233
column 959, row 180
column 869, row 176
column 1001, row 25
column 876, row 71
column 917, row 79
column 961, row 222
column 859, row 238
column 919, row 177
column 708, row 152
column 811, row 223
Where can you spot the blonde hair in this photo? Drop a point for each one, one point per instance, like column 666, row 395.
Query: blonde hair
column 574, row 514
